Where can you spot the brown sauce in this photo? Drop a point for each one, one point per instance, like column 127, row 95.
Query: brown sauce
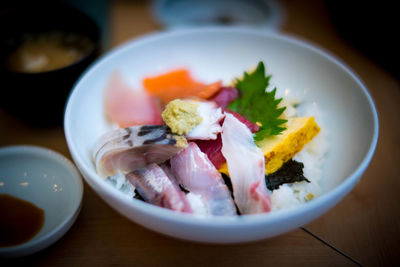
column 20, row 220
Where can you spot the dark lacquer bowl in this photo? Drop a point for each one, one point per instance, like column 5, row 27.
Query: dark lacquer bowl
column 44, row 48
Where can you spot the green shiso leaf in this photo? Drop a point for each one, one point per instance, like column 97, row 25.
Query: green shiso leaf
column 257, row 104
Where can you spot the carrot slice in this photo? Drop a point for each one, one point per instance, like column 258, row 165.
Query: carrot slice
column 178, row 84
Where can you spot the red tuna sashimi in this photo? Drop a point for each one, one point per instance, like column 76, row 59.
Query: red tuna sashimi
column 225, row 96
column 158, row 188
column 127, row 107
column 196, row 173
column 213, row 147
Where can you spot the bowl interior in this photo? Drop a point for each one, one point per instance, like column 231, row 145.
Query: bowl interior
column 347, row 112
column 43, row 178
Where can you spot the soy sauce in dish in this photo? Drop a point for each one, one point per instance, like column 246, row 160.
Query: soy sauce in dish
column 20, row 220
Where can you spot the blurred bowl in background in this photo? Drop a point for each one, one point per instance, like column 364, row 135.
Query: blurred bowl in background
column 44, row 48
column 174, row 14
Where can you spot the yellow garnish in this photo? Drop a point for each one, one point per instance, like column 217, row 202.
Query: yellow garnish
column 181, row 116
column 309, row 196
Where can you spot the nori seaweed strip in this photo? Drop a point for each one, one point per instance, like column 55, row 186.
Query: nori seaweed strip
column 138, row 196
column 184, row 189
column 228, row 183
column 290, row 172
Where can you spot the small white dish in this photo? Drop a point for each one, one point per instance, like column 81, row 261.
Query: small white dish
column 48, row 180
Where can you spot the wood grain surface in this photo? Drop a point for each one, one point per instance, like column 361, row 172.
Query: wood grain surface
column 365, row 226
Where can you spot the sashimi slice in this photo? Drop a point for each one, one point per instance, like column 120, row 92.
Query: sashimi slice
column 225, row 96
column 179, row 84
column 196, row 173
column 209, row 127
column 157, row 188
column 213, row 147
column 252, row 126
column 127, row 107
column 246, row 167
column 128, row 149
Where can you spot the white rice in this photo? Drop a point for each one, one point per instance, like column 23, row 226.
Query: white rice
column 197, row 204
column 312, row 156
column 120, row 182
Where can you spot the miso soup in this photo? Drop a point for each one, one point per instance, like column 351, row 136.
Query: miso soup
column 48, row 51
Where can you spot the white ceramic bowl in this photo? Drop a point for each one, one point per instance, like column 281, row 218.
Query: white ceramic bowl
column 224, row 53
column 48, row 180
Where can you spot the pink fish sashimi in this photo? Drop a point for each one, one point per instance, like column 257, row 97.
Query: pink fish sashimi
column 225, row 96
column 246, row 167
column 213, row 147
column 197, row 174
column 127, row 107
column 157, row 188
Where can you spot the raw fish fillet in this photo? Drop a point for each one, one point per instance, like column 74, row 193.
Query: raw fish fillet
column 128, row 149
column 246, row 167
column 179, row 83
column 213, row 147
column 127, row 107
column 252, row 126
column 209, row 127
column 197, row 174
column 157, row 188
column 225, row 96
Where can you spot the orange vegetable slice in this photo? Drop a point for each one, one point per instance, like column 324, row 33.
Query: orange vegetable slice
column 179, row 84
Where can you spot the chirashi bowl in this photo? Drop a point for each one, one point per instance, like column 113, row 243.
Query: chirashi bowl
column 349, row 116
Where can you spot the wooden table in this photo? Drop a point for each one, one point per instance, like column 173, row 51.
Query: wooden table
column 365, row 226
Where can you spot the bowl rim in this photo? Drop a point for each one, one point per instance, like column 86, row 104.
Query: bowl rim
column 332, row 196
column 35, row 244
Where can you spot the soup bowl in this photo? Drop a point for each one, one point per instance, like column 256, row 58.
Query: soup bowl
column 217, row 53
column 42, row 53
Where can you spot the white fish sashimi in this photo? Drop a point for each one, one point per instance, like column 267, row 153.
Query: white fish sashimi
column 157, row 188
column 246, row 167
column 196, row 173
column 210, row 115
